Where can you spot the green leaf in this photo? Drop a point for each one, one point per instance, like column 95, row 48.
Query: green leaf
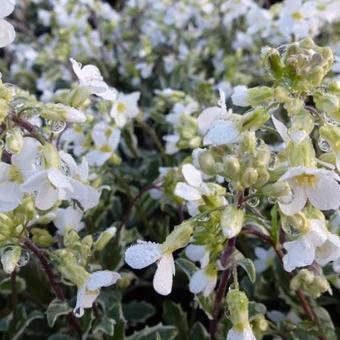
column 138, row 311
column 106, row 326
column 156, row 332
column 174, row 315
column 326, row 323
column 249, row 267
column 198, row 332
column 187, row 267
column 24, row 322
column 55, row 309
column 6, row 285
column 60, row 336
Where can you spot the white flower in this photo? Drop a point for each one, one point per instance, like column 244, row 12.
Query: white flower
column 125, row 108
column 7, row 33
column 89, row 76
column 67, row 219
column 78, row 177
column 88, row 293
column 203, row 281
column 319, row 186
column 106, row 139
column 298, row 18
column 240, row 96
column 199, row 253
column 143, row 254
column 10, row 193
column 245, row 334
column 218, row 125
column 315, row 243
column 193, row 188
column 264, row 259
column 50, row 186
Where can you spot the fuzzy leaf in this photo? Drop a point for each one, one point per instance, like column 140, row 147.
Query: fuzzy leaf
column 55, row 309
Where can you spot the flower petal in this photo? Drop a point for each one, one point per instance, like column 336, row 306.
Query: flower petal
column 208, row 117
column 187, row 192
column 192, row 176
column 281, row 129
column 296, row 204
column 7, row 33
column 103, row 278
column 329, row 251
column 142, row 254
column 7, row 7
column 222, row 132
column 325, row 194
column 162, row 281
column 300, row 253
column 198, row 282
column 46, row 197
column 195, row 252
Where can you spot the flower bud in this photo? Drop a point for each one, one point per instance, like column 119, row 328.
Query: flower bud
column 231, row 167
column 4, row 110
column 10, row 258
column 79, row 96
column 281, row 94
column 231, row 221
column 14, row 141
column 254, row 119
column 179, row 237
column 104, row 238
column 50, row 156
column 259, row 323
column 42, row 237
column 238, row 308
column 260, row 95
column 326, row 102
column 61, row 112
column 248, row 143
column 301, row 154
column 249, row 177
column 278, row 189
column 263, row 176
column 207, row 163
column 273, row 63
column 294, row 106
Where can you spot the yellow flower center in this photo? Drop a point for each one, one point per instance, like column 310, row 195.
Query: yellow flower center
column 105, row 148
column 310, row 180
column 121, row 107
column 297, row 16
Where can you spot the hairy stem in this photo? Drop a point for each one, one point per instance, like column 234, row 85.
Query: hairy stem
column 53, row 281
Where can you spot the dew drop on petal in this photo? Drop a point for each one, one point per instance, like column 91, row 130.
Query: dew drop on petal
column 324, row 145
column 24, row 258
column 253, row 202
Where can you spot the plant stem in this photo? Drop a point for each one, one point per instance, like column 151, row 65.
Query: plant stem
column 222, row 287
column 14, row 297
column 53, row 281
column 31, row 129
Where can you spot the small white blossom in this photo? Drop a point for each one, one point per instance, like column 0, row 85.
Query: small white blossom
column 245, row 334
column 88, row 293
column 143, row 254
column 7, row 33
column 125, row 108
column 67, row 219
column 319, row 186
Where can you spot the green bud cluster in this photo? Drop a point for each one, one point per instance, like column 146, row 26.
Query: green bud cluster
column 308, row 281
column 238, row 308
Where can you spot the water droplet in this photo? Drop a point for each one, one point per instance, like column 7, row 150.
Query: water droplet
column 253, row 202
column 24, row 258
column 329, row 120
column 57, row 126
column 324, row 145
column 2, row 144
column 272, row 162
column 38, row 161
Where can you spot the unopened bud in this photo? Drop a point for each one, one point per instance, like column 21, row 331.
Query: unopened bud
column 207, row 162
column 238, row 308
column 42, row 237
column 105, row 238
column 326, row 102
column 10, row 258
column 179, row 237
column 61, row 112
column 231, row 221
column 14, row 141
column 231, row 167
column 249, row 177
column 254, row 119
column 50, row 156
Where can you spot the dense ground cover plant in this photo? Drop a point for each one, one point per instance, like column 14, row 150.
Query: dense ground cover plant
column 169, row 169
